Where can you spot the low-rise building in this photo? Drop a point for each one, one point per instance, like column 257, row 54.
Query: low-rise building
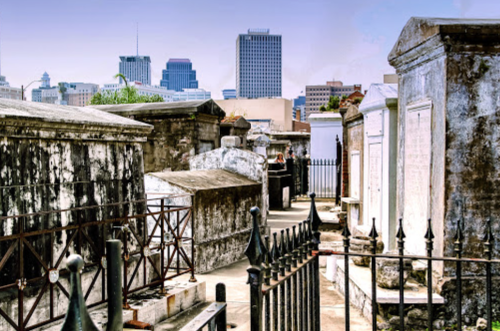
column 166, row 94
column 318, row 95
column 229, row 94
column 189, row 94
column 8, row 92
column 278, row 111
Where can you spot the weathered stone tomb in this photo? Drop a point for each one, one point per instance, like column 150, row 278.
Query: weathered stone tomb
column 181, row 130
column 221, row 219
column 448, row 144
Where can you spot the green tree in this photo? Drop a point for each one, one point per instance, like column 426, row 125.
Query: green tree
column 344, row 97
column 333, row 103
column 127, row 94
column 322, row 108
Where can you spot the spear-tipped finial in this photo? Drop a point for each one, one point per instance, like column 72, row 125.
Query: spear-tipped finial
column 275, row 251
column 283, row 245
column 295, row 238
column 314, row 216
column 459, row 237
column 429, row 235
column 289, row 241
column 488, row 239
column 345, row 231
column 401, row 234
column 373, row 232
column 77, row 316
column 256, row 250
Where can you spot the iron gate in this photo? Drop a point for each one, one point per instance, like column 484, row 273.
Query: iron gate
column 87, row 230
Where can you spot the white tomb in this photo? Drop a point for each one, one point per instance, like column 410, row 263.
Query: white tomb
column 379, row 108
column 325, row 128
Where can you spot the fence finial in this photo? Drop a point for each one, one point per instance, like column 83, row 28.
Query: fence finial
column 373, row 232
column 401, row 234
column 256, row 250
column 488, row 240
column 315, row 220
column 429, row 235
column 77, row 316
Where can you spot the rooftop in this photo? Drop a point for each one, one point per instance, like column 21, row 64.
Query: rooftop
column 420, row 29
column 162, row 109
column 51, row 113
column 179, row 61
column 196, row 180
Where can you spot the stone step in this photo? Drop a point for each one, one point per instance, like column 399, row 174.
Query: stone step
column 149, row 306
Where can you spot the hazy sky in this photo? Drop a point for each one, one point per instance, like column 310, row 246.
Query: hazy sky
column 80, row 41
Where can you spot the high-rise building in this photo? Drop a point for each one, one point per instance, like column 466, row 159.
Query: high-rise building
column 136, row 68
column 258, row 64
column 179, row 75
column 229, row 94
column 318, row 95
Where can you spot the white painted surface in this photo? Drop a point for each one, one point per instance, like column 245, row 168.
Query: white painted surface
column 355, row 170
column 379, row 150
column 417, row 163
column 324, row 130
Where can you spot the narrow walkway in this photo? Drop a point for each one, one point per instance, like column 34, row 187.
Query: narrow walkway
column 235, row 277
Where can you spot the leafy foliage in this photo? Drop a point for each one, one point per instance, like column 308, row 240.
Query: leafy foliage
column 128, row 94
column 333, row 104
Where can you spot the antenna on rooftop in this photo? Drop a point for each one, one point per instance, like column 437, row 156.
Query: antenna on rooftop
column 137, row 39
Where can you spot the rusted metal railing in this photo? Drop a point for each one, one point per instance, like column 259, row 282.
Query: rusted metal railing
column 31, row 255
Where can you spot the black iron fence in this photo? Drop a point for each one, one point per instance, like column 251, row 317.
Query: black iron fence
column 284, row 279
column 458, row 260
column 323, row 174
column 34, row 283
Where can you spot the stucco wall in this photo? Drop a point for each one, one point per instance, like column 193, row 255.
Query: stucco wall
column 221, row 218
column 249, row 164
column 175, row 139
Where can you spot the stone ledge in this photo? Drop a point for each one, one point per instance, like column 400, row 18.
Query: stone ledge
column 149, row 306
column 360, row 277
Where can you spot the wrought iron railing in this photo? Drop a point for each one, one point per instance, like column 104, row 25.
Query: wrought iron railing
column 31, row 263
column 284, row 280
column 323, row 174
column 458, row 260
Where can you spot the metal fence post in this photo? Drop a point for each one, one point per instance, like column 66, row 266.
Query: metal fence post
column 255, row 252
column 114, row 285
column 290, row 170
column 77, row 316
column 315, row 223
column 339, row 172
column 220, row 296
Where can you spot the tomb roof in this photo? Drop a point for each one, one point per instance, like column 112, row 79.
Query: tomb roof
column 379, row 96
column 165, row 109
column 197, row 180
column 420, row 29
column 61, row 114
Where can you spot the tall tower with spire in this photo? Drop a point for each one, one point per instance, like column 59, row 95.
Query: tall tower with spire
column 136, row 68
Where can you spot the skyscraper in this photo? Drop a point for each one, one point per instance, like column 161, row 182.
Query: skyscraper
column 258, row 64
column 136, row 68
column 179, row 75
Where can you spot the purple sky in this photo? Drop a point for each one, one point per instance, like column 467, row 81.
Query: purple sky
column 80, row 41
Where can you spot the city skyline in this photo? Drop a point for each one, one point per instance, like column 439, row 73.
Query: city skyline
column 102, row 31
